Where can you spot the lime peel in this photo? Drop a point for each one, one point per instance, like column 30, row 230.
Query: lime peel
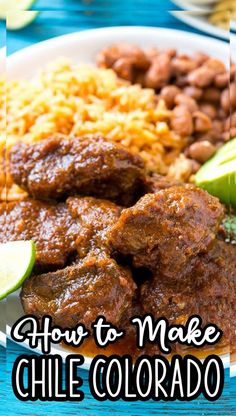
column 218, row 175
column 14, row 5
column 19, row 19
column 17, row 260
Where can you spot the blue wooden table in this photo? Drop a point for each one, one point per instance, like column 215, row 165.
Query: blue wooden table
column 59, row 17
column 66, row 16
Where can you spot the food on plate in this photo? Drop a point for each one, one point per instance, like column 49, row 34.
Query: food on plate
column 154, row 183
column 205, row 287
column 94, row 217
column 58, row 229
column 16, row 263
column 61, row 166
column 198, row 90
column 98, row 166
column 77, row 100
column 81, row 292
column 165, row 230
column 172, row 236
column 223, row 12
column 49, row 225
column 218, row 175
column 173, row 110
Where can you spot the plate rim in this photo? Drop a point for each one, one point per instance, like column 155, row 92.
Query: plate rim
column 201, row 25
column 34, row 48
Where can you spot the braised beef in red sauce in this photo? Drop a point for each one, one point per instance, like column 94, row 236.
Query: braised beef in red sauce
column 167, row 229
column 161, row 255
column 79, row 293
column 59, row 230
column 48, row 224
column 60, row 166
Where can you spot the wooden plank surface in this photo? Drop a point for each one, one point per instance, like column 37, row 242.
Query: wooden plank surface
column 60, row 20
column 89, row 407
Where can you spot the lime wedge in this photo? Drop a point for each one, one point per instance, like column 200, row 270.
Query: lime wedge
column 19, row 19
column 218, row 175
column 14, row 5
column 16, row 263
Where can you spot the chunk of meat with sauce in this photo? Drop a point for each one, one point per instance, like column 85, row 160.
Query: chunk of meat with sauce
column 155, row 183
column 166, row 229
column 206, row 287
column 50, row 226
column 94, row 218
column 78, row 226
column 80, row 293
column 59, row 167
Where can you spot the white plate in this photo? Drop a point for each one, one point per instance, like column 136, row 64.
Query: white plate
column 195, row 5
column 204, row 3
column 190, row 16
column 83, row 47
column 199, row 21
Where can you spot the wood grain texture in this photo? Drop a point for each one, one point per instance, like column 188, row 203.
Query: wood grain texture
column 66, row 16
column 225, row 406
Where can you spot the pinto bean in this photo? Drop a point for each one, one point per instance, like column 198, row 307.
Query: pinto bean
column 181, row 81
column 214, row 134
column 222, row 114
column 217, row 125
column 227, row 135
column 233, row 132
column 202, row 122
column 134, row 53
column 209, row 110
column 169, row 93
column 124, row 68
column 108, row 56
column 171, row 52
column 152, row 52
column 225, row 99
column 193, row 92
column 182, row 121
column 227, row 123
column 211, row 94
column 188, row 102
column 201, row 77
column 222, row 80
column 232, row 89
column 201, row 151
column 159, row 73
column 216, row 65
column 195, row 166
column 183, row 64
column 233, row 120
column 230, row 122
column 200, row 58
column 232, row 71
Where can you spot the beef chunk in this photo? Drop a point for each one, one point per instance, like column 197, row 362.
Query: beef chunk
column 61, row 230
column 59, row 167
column 207, row 287
column 164, row 230
column 155, row 183
column 94, row 218
column 80, row 293
column 50, row 226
